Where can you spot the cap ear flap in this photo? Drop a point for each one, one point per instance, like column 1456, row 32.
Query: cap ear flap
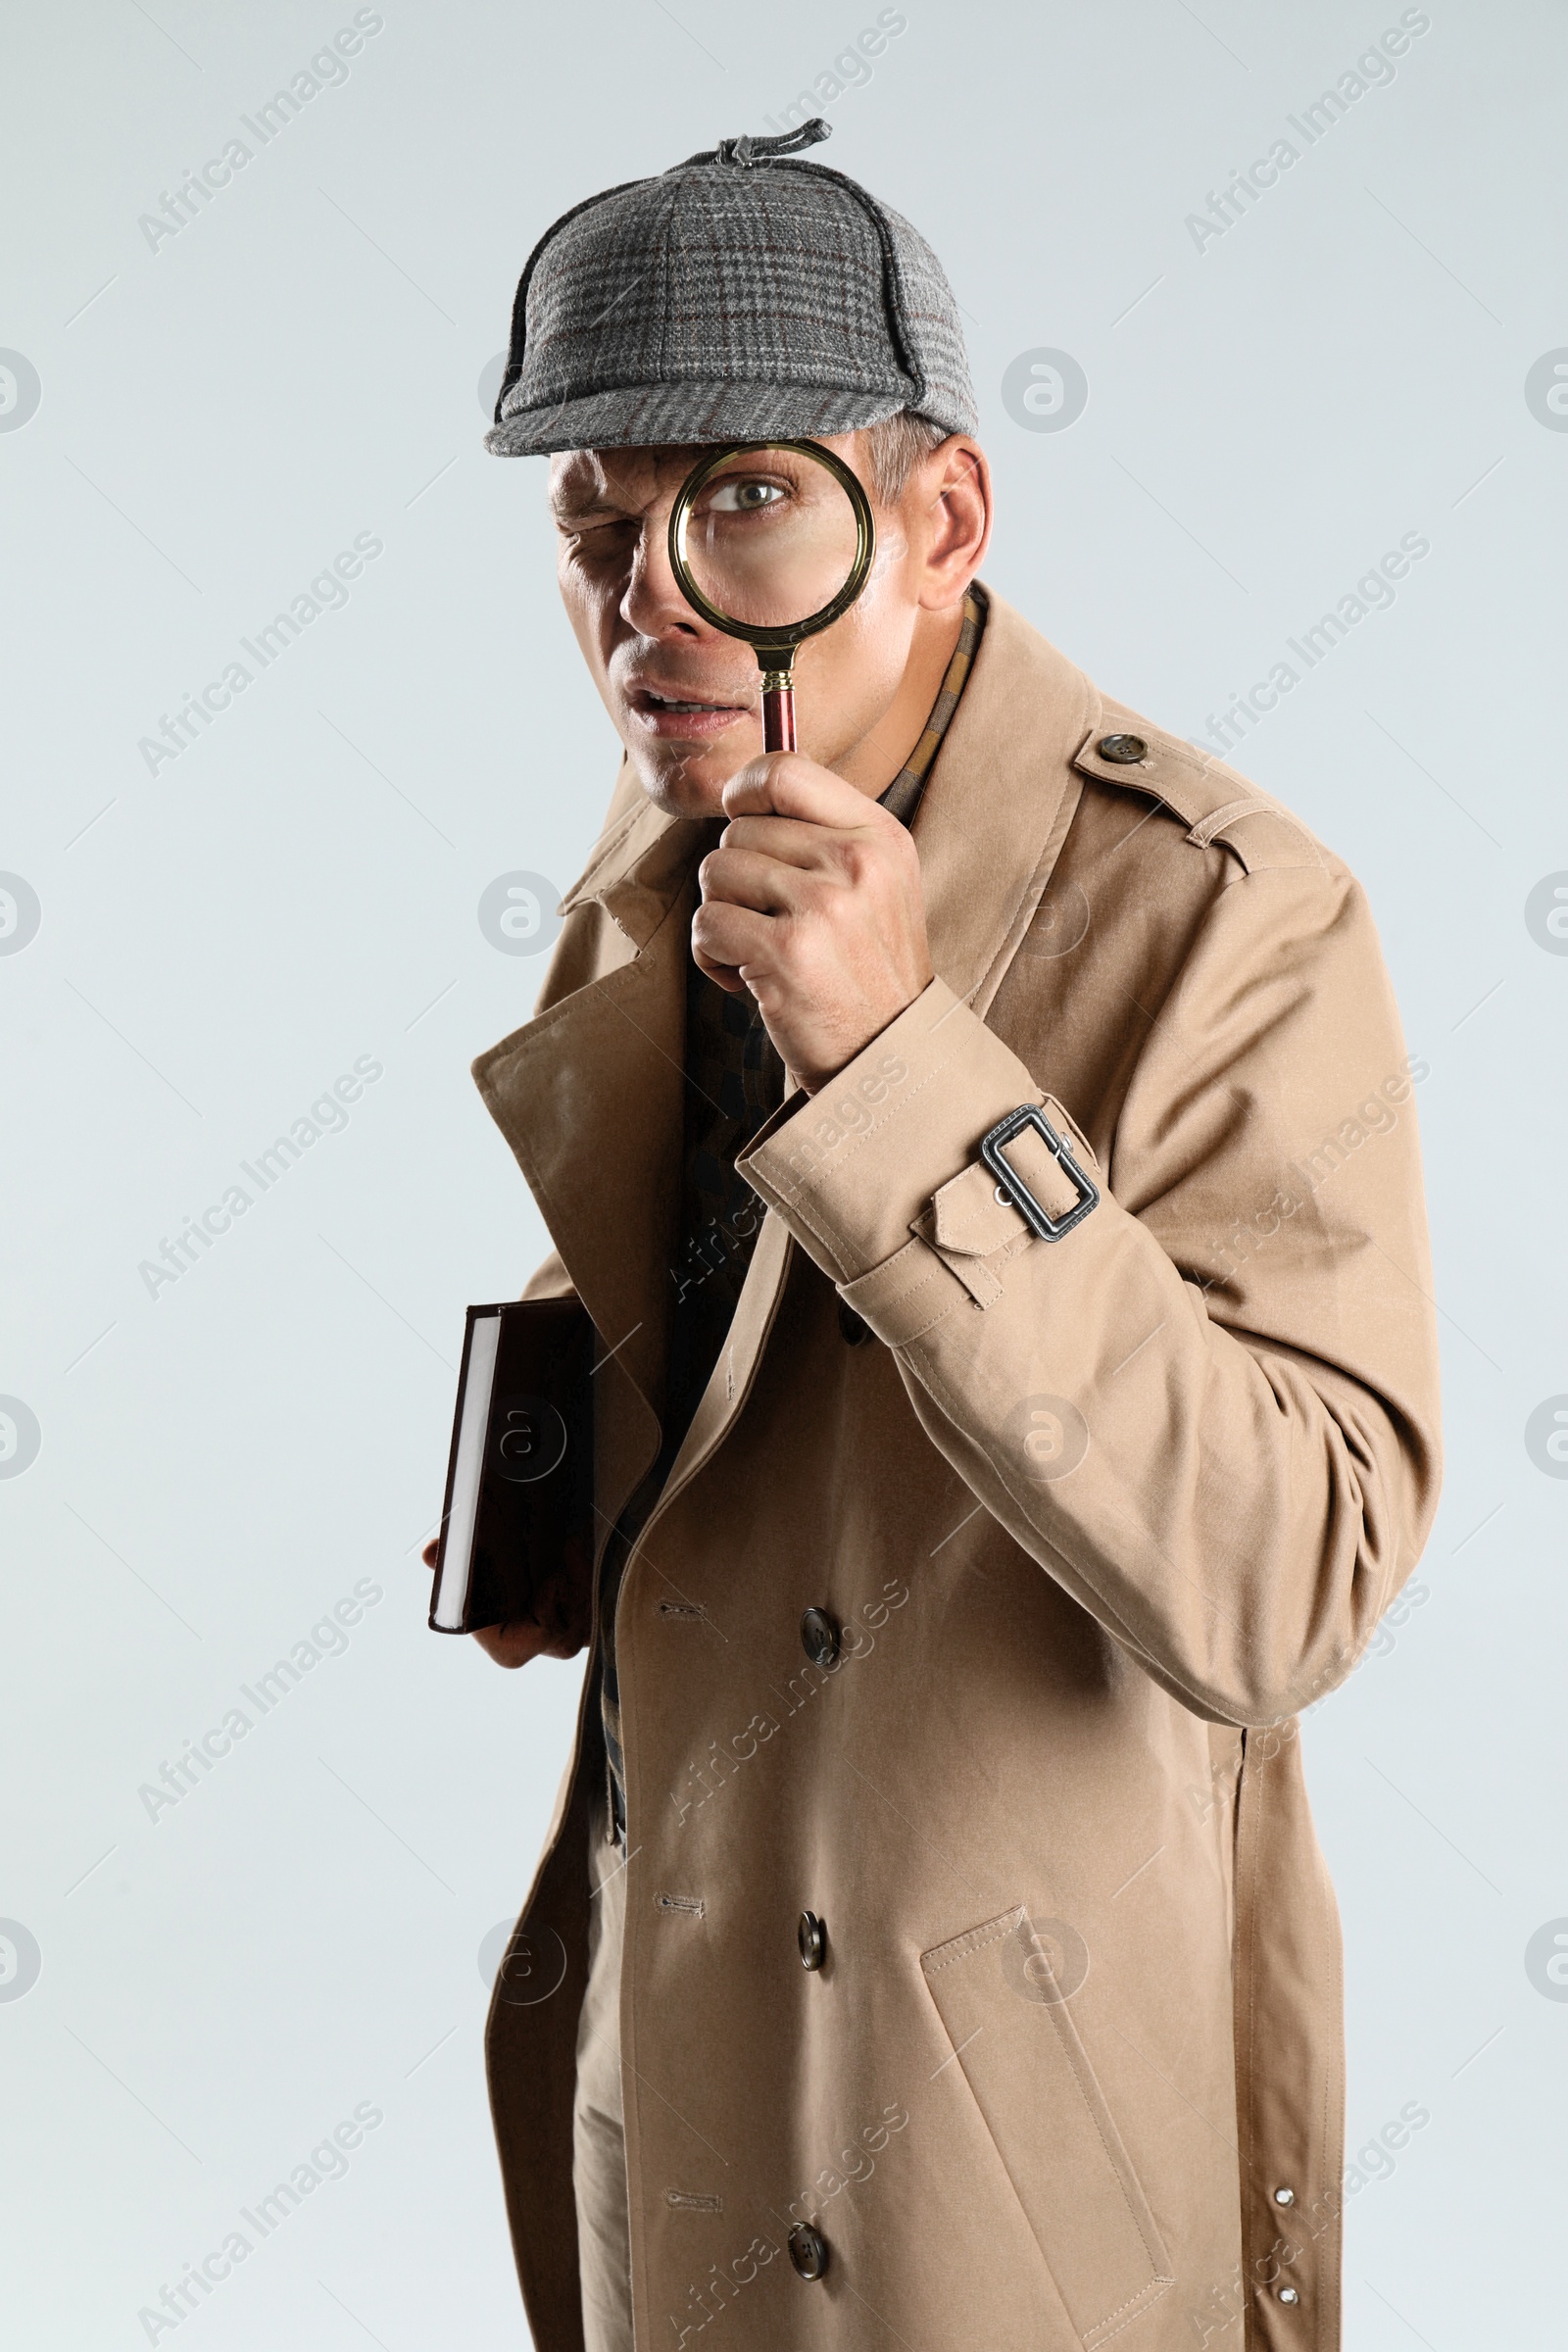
column 518, row 336
column 892, row 277
column 520, row 301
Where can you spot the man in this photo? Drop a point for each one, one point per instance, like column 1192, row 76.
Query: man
column 932, row 1946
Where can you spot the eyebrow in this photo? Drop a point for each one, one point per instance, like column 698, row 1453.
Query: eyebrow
column 594, row 499
column 572, row 515
column 584, row 500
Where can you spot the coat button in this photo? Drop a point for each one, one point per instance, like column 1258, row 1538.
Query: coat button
column 1122, row 750
column 1285, row 2196
column 820, row 1636
column 812, row 1935
column 1288, row 2294
column 854, row 1329
column 807, row 2250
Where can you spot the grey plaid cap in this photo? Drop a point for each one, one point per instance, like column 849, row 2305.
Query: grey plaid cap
column 738, row 296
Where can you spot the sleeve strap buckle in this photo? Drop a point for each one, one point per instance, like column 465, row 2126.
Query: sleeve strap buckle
column 1011, row 1187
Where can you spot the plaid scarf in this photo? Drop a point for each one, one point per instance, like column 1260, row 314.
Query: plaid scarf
column 734, row 1084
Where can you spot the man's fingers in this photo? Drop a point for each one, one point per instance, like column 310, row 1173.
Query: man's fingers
column 730, row 937
column 786, row 784
column 751, row 877
column 722, row 975
column 789, row 840
column 523, row 1640
column 513, row 1644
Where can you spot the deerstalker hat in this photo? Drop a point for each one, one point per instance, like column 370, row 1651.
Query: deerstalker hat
column 739, row 296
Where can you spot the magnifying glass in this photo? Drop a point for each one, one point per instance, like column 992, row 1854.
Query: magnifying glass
column 770, row 541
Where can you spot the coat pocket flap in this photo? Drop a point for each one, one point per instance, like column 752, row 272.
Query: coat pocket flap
column 1002, row 1991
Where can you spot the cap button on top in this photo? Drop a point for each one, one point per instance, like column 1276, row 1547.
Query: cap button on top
column 807, row 2250
column 820, row 1636
column 1122, row 750
column 812, row 1935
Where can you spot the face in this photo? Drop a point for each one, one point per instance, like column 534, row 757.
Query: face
column 685, row 699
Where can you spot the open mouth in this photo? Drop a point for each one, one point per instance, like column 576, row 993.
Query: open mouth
column 665, row 714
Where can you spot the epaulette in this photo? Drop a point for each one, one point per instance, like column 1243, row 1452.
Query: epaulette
column 1212, row 801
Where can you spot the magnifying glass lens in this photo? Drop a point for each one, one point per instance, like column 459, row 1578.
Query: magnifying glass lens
column 772, row 539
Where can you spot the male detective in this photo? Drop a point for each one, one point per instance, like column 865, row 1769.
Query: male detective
column 932, row 1946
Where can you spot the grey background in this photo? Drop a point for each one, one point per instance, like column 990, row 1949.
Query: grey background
column 218, row 941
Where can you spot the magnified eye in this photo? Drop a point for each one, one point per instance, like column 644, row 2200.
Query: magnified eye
column 745, row 498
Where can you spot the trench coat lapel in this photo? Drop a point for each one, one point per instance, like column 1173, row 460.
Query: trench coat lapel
column 999, row 801
column 590, row 1094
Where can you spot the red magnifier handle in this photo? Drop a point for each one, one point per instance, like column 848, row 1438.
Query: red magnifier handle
column 778, row 713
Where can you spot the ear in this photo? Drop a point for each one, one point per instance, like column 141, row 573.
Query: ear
column 948, row 499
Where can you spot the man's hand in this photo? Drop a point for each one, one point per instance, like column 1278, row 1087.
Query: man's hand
column 812, row 900
column 511, row 1644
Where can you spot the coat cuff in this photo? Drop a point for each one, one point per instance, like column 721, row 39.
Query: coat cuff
column 889, row 1150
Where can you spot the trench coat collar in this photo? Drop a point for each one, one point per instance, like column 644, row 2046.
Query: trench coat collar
column 590, row 1093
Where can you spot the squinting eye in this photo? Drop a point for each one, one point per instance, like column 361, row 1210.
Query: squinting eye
column 745, row 498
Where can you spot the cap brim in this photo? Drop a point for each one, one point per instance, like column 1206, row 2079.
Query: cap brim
column 644, row 416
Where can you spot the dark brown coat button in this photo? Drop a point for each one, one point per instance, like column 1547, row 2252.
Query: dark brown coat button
column 812, row 1935
column 807, row 2250
column 1122, row 750
column 820, row 1636
column 853, row 1327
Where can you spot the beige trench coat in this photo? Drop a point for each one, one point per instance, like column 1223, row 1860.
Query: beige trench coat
column 1094, row 1518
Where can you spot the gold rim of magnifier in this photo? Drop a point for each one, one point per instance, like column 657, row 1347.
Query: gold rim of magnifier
column 788, row 638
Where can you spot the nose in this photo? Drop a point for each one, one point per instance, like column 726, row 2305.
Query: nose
column 653, row 604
